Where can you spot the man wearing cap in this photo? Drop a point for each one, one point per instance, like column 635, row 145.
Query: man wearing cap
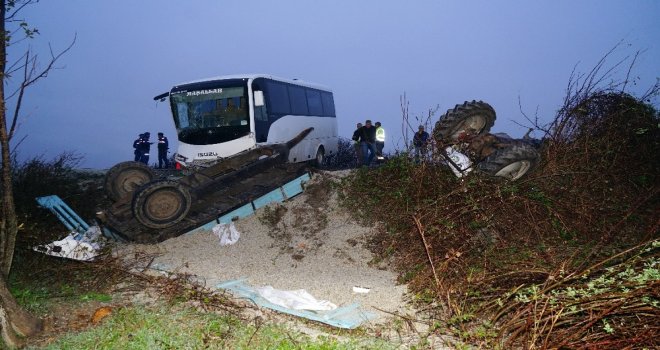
column 368, row 142
column 420, row 141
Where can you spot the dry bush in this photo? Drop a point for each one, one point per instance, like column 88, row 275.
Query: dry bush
column 480, row 246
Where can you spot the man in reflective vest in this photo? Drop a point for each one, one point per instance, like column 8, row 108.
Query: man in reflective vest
column 380, row 141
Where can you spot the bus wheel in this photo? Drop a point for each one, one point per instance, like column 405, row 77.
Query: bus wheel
column 161, row 204
column 125, row 177
column 470, row 118
column 319, row 161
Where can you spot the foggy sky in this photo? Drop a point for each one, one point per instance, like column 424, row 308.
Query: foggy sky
column 439, row 53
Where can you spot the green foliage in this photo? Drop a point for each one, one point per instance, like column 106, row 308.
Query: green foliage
column 31, row 298
column 184, row 328
column 94, row 296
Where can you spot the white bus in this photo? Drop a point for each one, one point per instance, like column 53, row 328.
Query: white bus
column 219, row 117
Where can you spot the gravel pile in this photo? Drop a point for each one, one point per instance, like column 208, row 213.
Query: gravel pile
column 307, row 243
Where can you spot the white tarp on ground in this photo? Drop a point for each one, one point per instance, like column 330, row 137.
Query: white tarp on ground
column 294, row 299
column 76, row 246
column 227, row 233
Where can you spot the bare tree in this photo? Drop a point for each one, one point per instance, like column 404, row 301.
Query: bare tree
column 14, row 321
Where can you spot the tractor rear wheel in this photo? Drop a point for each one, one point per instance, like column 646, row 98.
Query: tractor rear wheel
column 470, row 118
column 161, row 204
column 511, row 162
column 125, row 178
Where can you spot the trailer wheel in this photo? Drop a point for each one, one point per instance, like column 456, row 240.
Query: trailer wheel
column 125, row 178
column 472, row 118
column 161, row 204
column 512, row 162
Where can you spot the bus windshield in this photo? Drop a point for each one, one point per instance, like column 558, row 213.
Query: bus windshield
column 211, row 115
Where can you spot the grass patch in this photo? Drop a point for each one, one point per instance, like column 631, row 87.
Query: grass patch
column 175, row 327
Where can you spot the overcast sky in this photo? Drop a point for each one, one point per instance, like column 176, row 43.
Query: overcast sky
column 369, row 53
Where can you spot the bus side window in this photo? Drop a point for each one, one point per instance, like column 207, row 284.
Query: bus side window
column 328, row 104
column 314, row 102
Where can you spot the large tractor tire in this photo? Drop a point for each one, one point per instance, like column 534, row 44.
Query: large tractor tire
column 161, row 204
column 511, row 162
column 470, row 118
column 126, row 177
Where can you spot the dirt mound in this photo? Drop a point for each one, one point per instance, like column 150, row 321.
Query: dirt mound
column 308, row 243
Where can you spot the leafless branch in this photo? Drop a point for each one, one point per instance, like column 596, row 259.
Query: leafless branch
column 31, row 75
column 10, row 17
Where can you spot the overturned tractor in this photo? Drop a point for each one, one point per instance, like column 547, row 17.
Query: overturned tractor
column 148, row 209
column 465, row 141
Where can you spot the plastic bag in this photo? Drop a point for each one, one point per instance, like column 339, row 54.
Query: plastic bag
column 227, row 233
column 294, row 299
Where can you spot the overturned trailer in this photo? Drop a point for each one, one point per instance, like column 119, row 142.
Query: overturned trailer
column 148, row 209
column 239, row 138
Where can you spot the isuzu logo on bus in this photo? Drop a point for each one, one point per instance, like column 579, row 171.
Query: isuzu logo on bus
column 207, row 154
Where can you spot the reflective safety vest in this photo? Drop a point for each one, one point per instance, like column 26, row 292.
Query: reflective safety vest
column 380, row 134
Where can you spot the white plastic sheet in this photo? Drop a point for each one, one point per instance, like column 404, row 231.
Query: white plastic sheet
column 294, row 299
column 76, row 246
column 227, row 233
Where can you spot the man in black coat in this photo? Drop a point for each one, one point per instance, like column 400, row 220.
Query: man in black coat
column 356, row 144
column 368, row 142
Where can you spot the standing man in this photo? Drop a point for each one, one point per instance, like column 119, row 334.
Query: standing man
column 137, row 146
column 356, row 144
column 144, row 149
column 368, row 142
column 420, row 141
column 380, row 141
column 163, row 146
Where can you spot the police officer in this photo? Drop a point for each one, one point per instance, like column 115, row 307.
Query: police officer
column 380, row 141
column 163, row 146
column 137, row 144
column 145, row 146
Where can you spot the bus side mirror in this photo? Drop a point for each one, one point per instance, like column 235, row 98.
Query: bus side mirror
column 258, row 98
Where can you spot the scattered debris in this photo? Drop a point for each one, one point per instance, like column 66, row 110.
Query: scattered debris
column 361, row 290
column 227, row 233
column 76, row 246
column 100, row 314
column 298, row 299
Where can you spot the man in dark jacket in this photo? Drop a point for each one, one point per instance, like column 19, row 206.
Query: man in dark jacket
column 163, row 146
column 137, row 144
column 368, row 142
column 144, row 148
column 356, row 144
column 420, row 141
